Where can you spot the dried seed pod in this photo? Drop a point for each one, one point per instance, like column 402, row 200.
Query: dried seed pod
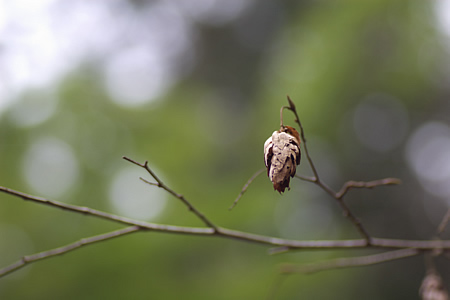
column 281, row 156
column 432, row 288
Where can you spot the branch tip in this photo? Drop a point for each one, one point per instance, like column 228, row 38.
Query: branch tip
column 291, row 104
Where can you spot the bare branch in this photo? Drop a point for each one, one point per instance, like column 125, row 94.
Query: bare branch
column 349, row 262
column 26, row 260
column 170, row 191
column 306, row 178
column 368, row 185
column 240, row 235
column 245, row 187
column 107, row 216
column 403, row 248
column 286, row 244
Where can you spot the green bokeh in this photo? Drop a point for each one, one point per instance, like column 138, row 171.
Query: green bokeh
column 328, row 57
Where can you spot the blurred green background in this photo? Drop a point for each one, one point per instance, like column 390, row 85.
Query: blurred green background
column 195, row 88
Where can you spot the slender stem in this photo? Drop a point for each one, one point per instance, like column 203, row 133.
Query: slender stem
column 349, row 262
column 302, row 135
column 443, row 223
column 306, row 178
column 281, row 115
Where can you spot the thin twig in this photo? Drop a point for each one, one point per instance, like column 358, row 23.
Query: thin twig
column 368, row 185
column 349, row 262
column 306, row 178
column 278, row 250
column 170, row 191
column 245, row 187
column 26, row 260
column 443, row 223
column 343, row 191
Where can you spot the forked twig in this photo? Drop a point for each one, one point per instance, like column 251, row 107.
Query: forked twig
column 170, row 191
column 245, row 187
column 316, row 179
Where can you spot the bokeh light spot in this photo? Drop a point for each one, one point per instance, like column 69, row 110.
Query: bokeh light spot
column 214, row 12
column 136, row 76
column 307, row 219
column 50, row 167
column 442, row 11
column 33, row 109
column 133, row 198
column 380, row 122
column 428, row 154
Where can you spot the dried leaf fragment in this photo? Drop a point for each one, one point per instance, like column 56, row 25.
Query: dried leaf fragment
column 432, row 288
column 281, row 156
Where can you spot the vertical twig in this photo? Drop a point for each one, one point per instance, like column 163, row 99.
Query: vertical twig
column 302, row 135
column 345, row 208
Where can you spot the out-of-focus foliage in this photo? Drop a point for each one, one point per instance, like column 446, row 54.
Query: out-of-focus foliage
column 195, row 88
